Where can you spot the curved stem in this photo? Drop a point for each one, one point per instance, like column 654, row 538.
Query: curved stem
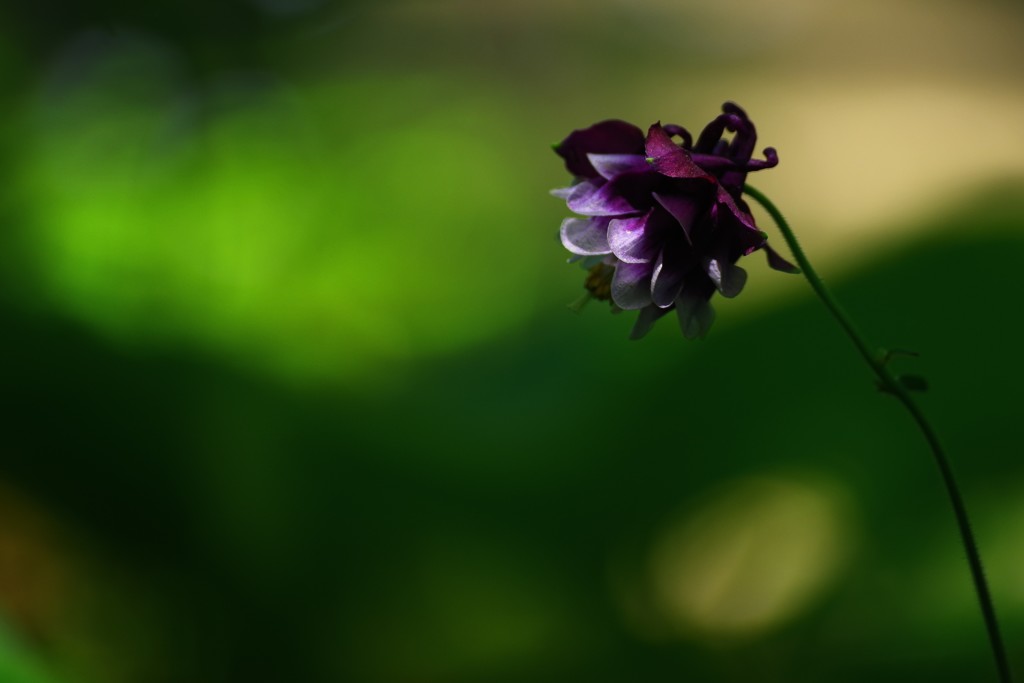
column 892, row 385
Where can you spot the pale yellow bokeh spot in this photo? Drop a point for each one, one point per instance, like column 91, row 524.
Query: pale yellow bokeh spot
column 752, row 557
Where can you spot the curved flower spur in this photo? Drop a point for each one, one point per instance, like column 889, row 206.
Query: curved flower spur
column 663, row 224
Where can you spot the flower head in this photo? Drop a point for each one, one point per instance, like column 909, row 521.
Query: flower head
column 661, row 224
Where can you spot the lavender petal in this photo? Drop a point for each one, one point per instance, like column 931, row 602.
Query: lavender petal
column 629, row 241
column 631, row 285
column 586, row 237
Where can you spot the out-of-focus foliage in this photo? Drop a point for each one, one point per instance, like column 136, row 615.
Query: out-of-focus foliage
column 291, row 393
column 293, row 225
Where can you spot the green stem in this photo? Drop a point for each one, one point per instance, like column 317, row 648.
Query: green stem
column 893, row 386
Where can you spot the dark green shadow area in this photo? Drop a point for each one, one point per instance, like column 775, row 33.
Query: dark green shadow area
column 476, row 524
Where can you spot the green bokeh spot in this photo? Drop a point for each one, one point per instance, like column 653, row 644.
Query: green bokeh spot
column 321, row 231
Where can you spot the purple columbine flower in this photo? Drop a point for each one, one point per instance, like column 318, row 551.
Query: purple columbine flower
column 663, row 223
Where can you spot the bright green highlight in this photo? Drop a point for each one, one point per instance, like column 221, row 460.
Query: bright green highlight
column 311, row 231
column 18, row 664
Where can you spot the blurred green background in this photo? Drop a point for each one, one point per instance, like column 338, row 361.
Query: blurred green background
column 290, row 390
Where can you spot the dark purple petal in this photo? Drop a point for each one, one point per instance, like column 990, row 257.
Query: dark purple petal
column 736, row 234
column 666, row 282
column 645, row 321
column 684, row 208
column 659, row 142
column 627, row 194
column 776, row 261
column 695, row 314
column 606, row 137
column 629, row 240
column 631, row 285
column 586, row 237
column 670, row 159
column 728, row 277
column 610, row 165
column 737, row 209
